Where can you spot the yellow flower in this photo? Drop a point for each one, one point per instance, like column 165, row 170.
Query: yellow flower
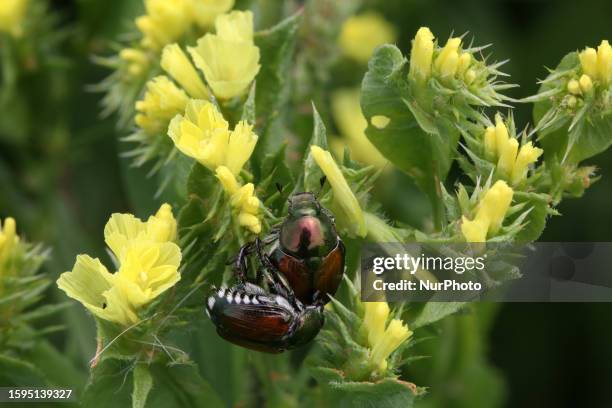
column 464, row 63
column 203, row 134
column 421, row 54
column 374, row 320
column 475, row 230
column 447, row 61
column 137, row 60
column 8, row 239
column 205, row 11
column 148, row 270
column 527, row 155
column 178, row 66
column 149, row 261
column 346, row 110
column 383, row 341
column 12, row 14
column 501, row 148
column 490, row 213
column 242, row 199
column 604, row 62
column 598, row 64
column 165, row 22
column 361, row 34
column 90, row 283
column 350, row 212
column 236, row 26
column 122, row 230
column 229, row 59
column 240, row 147
column 162, row 101
column 507, row 156
column 588, row 60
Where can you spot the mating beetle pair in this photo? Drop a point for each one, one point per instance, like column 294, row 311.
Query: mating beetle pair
column 302, row 263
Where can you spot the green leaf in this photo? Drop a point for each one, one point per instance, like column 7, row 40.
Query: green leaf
column 248, row 110
column 536, row 219
column 418, row 142
column 312, row 171
column 15, row 372
column 433, row 312
column 175, row 386
column 389, row 393
column 143, row 382
column 276, row 47
column 107, row 385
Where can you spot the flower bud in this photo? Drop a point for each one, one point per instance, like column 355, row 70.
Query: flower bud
column 475, row 230
column 507, row 156
column 205, row 12
column 585, row 83
column 588, row 60
column 470, row 76
column 494, row 205
column 227, row 179
column 350, row 212
column 450, row 64
column 604, row 62
column 421, row 54
column 501, row 133
column 490, row 143
column 451, row 48
column 374, row 320
column 573, row 87
column 464, row 63
column 177, row 65
column 250, row 222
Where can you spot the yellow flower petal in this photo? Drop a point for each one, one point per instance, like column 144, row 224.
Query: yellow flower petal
column 475, row 230
column 235, row 26
column 90, row 283
column 346, row 109
column 12, row 14
column 165, row 22
column 588, row 60
column 178, row 66
column 228, row 180
column 229, row 66
column 206, row 11
column 361, row 34
column 242, row 142
column 527, row 155
column 374, row 320
column 494, row 205
column 421, row 54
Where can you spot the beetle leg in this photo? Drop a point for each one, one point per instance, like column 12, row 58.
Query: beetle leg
column 276, row 278
column 240, row 267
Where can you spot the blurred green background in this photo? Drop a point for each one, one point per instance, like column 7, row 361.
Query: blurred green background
column 61, row 175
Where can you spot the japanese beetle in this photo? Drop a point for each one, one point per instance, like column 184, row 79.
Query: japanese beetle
column 306, row 250
column 301, row 263
column 250, row 317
